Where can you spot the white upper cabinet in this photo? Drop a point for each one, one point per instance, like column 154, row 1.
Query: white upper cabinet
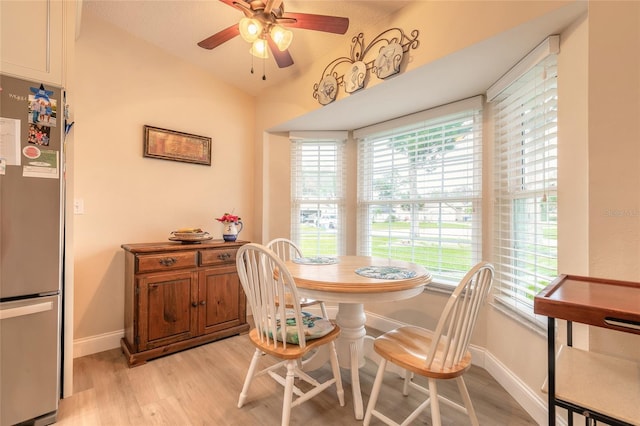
column 31, row 39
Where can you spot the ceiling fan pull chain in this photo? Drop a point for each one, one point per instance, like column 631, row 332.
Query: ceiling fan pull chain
column 264, row 77
column 251, row 64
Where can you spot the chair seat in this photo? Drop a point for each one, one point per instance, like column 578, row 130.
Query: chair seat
column 292, row 351
column 408, row 346
column 313, row 327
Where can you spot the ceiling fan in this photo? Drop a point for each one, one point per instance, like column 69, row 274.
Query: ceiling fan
column 264, row 25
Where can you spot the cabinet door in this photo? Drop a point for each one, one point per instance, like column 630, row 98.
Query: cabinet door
column 167, row 308
column 222, row 301
column 31, row 40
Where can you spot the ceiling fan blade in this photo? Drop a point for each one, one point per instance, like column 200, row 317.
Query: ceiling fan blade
column 237, row 4
column 283, row 59
column 307, row 21
column 220, row 37
column 271, row 5
column 240, row 5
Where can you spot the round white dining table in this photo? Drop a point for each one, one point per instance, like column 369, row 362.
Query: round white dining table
column 336, row 280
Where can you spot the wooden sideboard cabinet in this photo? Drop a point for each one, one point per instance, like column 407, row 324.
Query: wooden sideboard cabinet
column 178, row 296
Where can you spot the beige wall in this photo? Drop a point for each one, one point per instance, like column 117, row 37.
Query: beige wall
column 614, row 153
column 128, row 198
column 122, row 84
column 445, row 27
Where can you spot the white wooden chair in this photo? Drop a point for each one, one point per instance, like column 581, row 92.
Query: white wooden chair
column 287, row 250
column 264, row 276
column 439, row 355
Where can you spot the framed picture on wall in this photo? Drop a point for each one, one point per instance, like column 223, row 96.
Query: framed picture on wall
column 176, row 146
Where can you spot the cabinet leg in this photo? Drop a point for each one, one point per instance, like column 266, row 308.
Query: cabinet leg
column 551, row 360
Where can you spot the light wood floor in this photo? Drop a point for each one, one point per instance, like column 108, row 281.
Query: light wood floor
column 200, row 386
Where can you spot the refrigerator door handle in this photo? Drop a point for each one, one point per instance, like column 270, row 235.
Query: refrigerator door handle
column 25, row 310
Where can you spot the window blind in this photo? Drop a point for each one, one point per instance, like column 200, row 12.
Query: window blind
column 318, row 191
column 420, row 189
column 525, row 220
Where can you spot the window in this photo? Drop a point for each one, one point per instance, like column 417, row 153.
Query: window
column 420, row 189
column 317, row 190
column 525, row 219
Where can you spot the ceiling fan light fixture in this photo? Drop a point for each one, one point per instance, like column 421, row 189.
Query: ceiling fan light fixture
column 281, row 37
column 259, row 49
column 250, row 29
column 264, row 20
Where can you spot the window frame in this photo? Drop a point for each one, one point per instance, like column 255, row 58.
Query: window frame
column 444, row 277
column 524, row 251
column 329, row 239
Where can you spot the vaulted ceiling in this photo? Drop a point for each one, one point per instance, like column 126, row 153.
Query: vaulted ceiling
column 178, row 25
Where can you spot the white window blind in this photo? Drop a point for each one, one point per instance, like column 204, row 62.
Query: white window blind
column 318, row 191
column 525, row 220
column 420, row 189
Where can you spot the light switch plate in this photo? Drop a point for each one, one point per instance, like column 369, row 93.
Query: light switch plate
column 78, row 206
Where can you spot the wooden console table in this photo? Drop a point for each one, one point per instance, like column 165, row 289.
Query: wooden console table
column 598, row 386
column 180, row 295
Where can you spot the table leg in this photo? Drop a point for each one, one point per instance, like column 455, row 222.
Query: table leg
column 358, row 406
column 351, row 319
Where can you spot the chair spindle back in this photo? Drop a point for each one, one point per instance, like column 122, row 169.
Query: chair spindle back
column 284, row 248
column 263, row 276
column 458, row 319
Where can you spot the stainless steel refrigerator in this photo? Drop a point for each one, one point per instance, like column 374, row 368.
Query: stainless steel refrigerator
column 31, row 250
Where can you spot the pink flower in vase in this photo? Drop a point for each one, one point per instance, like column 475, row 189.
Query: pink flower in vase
column 230, row 232
column 227, row 217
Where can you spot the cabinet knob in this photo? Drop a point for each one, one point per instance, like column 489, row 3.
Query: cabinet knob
column 203, row 303
column 194, row 304
column 224, row 256
column 168, row 261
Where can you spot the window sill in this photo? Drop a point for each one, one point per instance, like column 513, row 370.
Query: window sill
column 441, row 288
column 499, row 305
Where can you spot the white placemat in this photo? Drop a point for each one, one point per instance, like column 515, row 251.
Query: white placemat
column 386, row 272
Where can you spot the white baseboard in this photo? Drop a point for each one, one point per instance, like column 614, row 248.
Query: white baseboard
column 94, row 344
column 528, row 400
column 524, row 395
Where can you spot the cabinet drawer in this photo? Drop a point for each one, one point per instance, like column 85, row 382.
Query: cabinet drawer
column 164, row 261
column 216, row 257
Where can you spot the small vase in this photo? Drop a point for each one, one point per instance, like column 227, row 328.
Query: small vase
column 231, row 231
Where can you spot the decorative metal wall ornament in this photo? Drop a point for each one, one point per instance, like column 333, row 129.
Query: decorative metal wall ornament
column 354, row 79
column 327, row 90
column 382, row 58
column 388, row 61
